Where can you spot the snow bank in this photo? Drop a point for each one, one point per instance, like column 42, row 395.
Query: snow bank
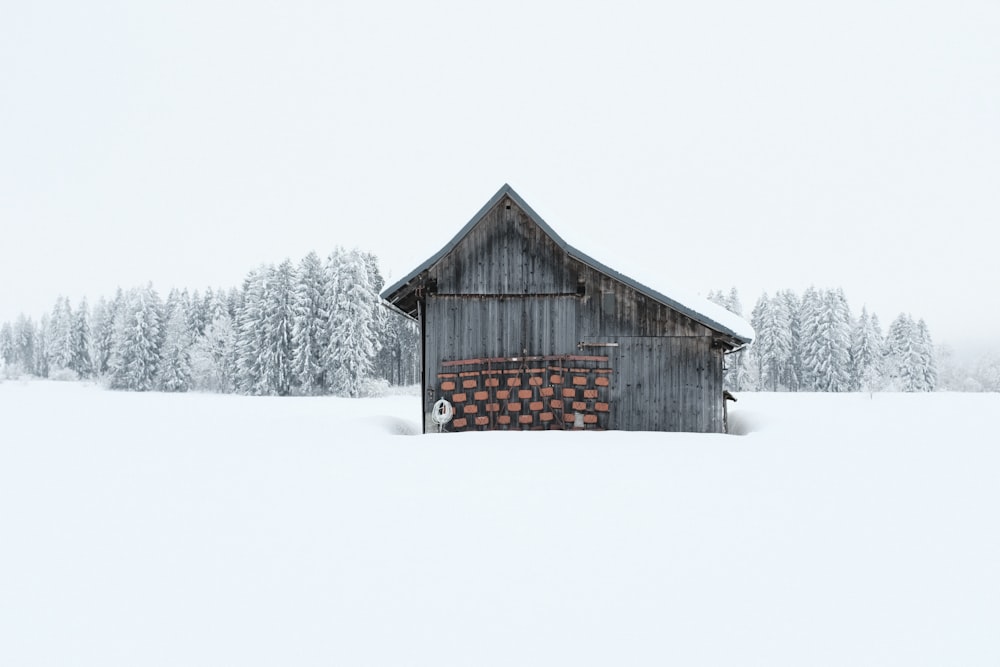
column 158, row 529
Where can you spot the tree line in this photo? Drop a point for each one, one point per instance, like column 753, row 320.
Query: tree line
column 813, row 342
column 312, row 328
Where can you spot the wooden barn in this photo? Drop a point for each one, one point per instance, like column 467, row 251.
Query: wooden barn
column 519, row 330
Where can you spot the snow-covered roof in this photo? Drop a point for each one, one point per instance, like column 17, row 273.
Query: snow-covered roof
column 696, row 307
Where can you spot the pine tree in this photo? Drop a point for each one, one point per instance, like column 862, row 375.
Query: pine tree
column 137, row 340
column 772, row 346
column 867, row 354
column 351, row 347
column 826, row 352
column 57, row 335
column 928, row 366
column 310, row 325
column 250, row 341
column 277, row 357
column 103, row 333
column 7, row 345
column 79, row 341
column 903, row 356
column 213, row 356
column 25, row 339
column 174, row 369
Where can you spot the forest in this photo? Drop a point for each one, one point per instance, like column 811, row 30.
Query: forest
column 318, row 327
column 312, row 328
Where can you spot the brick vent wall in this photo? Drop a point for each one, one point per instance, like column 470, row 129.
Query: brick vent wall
column 568, row 392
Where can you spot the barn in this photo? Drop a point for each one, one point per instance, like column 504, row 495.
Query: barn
column 519, row 330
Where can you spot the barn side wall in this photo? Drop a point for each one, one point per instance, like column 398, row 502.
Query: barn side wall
column 508, row 290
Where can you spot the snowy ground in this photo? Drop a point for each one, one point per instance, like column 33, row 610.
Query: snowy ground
column 152, row 529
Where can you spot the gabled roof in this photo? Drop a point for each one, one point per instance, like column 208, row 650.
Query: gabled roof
column 701, row 310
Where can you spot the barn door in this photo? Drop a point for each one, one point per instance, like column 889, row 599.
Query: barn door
column 527, row 393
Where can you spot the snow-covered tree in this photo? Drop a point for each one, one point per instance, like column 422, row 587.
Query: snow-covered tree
column 867, row 353
column 310, row 325
column 79, row 341
column 772, row 345
column 137, row 339
column 250, row 340
column 903, row 358
column 826, row 346
column 277, row 357
column 102, row 333
column 213, row 356
column 174, row 370
column 7, row 345
column 351, row 350
column 928, row 361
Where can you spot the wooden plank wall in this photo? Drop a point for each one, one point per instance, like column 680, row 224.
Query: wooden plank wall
column 507, row 289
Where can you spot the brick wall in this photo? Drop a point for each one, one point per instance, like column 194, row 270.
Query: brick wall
column 533, row 393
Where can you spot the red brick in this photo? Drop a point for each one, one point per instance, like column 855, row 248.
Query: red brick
column 569, row 393
column 525, row 419
column 447, row 386
column 481, row 395
column 513, row 382
column 546, row 416
column 546, row 391
column 513, row 407
column 556, row 404
column 482, row 421
column 590, row 393
column 535, row 381
column 470, row 384
column 492, row 382
column 602, row 407
column 525, row 393
column 536, row 370
column 568, row 417
column 602, row 382
column 469, row 374
column 503, row 395
column 460, row 423
column 590, row 419
column 579, row 379
column 555, row 379
column 536, row 406
column 579, row 406
column 492, row 407
column 446, row 375
column 458, row 398
column 503, row 419
column 470, row 409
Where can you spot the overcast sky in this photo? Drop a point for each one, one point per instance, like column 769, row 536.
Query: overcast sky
column 765, row 145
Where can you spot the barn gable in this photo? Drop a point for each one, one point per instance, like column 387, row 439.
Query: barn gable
column 509, row 249
column 520, row 329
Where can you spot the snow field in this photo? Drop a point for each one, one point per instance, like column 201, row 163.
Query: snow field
column 185, row 529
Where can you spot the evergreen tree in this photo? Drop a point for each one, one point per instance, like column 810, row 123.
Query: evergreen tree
column 25, row 339
column 903, row 356
column 42, row 353
column 79, row 341
column 277, row 358
column 352, row 345
column 250, row 340
column 57, row 335
column 826, row 351
column 928, row 361
column 137, row 340
column 7, row 345
column 103, row 333
column 175, row 359
column 867, row 355
column 310, row 325
column 213, row 356
column 772, row 346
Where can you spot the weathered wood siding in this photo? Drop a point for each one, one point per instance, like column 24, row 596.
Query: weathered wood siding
column 508, row 290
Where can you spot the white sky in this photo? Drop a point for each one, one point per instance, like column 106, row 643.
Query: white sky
column 764, row 145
